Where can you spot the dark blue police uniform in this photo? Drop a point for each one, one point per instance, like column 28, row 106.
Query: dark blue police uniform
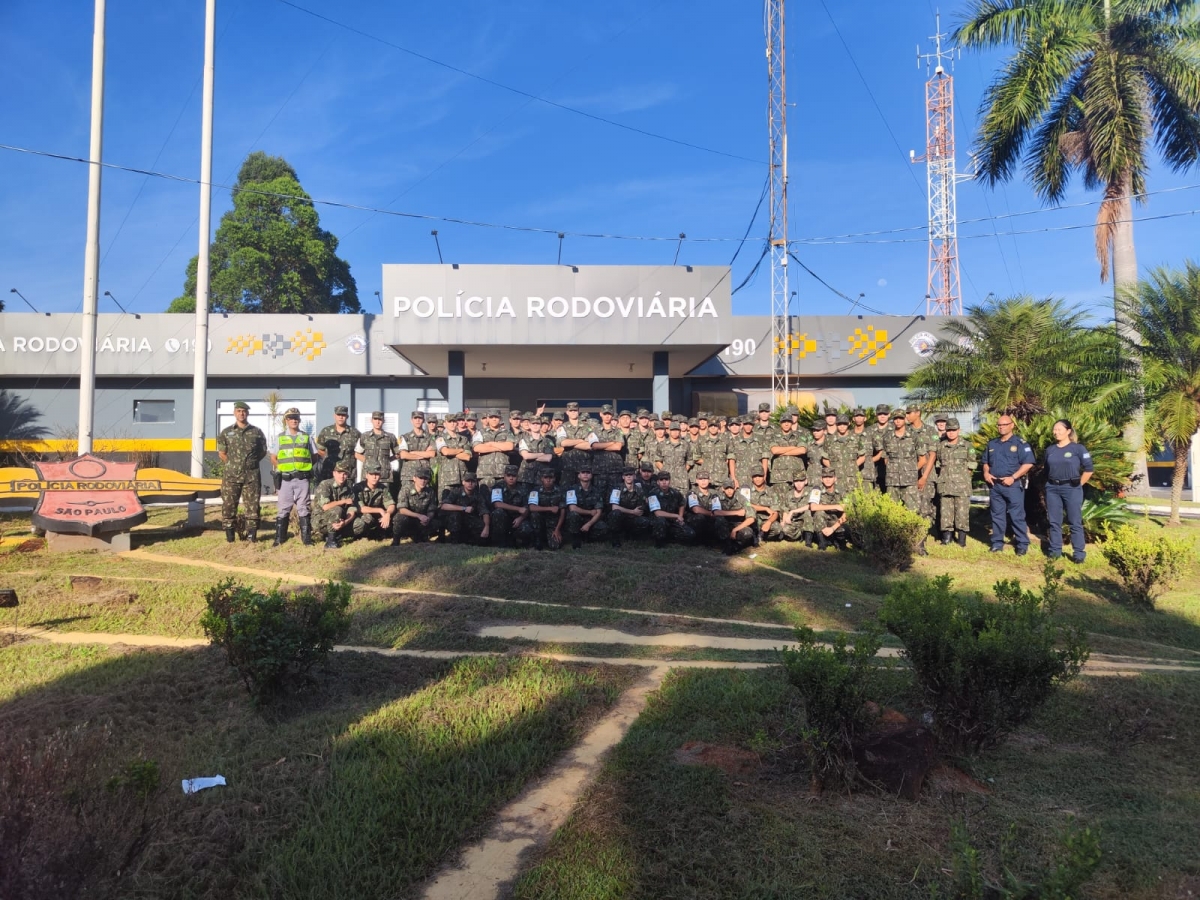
column 1064, row 466
column 1007, row 502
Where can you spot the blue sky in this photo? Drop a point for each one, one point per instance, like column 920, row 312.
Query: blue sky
column 369, row 125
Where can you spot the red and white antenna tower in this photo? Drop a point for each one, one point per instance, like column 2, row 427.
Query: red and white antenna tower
column 778, row 240
column 943, row 296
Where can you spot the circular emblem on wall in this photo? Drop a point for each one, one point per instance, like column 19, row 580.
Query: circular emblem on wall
column 922, row 343
column 87, row 468
column 356, row 344
column 966, row 343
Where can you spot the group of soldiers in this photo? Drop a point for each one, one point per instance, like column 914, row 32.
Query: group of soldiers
column 546, row 479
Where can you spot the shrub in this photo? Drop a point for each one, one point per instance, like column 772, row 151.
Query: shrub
column 275, row 637
column 884, row 529
column 1102, row 514
column 1147, row 565
column 835, row 682
column 983, row 667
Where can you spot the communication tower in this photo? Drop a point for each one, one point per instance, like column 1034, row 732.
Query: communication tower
column 943, row 296
column 778, row 241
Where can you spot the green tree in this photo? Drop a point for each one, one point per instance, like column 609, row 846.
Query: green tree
column 1023, row 356
column 270, row 254
column 1091, row 84
column 1164, row 310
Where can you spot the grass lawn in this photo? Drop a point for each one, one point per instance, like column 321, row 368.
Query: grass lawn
column 654, row 828
column 359, row 787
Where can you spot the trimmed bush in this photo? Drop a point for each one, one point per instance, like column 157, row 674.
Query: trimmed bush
column 984, row 667
column 836, row 682
column 1101, row 515
column 884, row 529
column 274, row 638
column 1148, row 566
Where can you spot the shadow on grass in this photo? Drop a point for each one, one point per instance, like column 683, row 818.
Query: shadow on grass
column 1104, row 608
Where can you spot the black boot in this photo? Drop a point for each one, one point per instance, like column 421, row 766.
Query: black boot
column 808, row 539
column 280, row 532
column 962, row 539
column 229, row 535
column 822, row 541
column 946, row 538
column 331, row 541
column 306, row 531
column 252, row 533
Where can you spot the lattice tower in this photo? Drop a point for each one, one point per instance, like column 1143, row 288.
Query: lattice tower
column 778, row 240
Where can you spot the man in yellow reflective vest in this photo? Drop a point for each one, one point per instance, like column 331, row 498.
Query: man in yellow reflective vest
column 292, row 456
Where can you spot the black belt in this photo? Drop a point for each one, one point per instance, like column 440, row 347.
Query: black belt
column 1073, row 482
column 292, row 476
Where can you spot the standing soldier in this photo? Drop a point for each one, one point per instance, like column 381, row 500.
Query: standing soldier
column 292, row 456
column 795, row 507
column 537, row 453
column 608, row 452
column 377, row 448
column 818, row 451
column 666, row 506
column 454, row 454
column 672, row 455
column 927, row 438
column 787, row 453
column 242, row 447
column 905, row 458
column 627, row 509
column 749, row 456
column 334, row 508
column 336, row 441
column 733, row 519
column 416, row 449
column 763, row 427
column 710, row 452
column 416, row 510
column 845, row 455
column 467, row 513
column 882, row 426
column 493, row 450
column 572, row 436
column 585, row 502
column 376, row 505
column 1007, row 459
column 635, row 443
column 956, row 462
column 864, row 435
column 546, row 513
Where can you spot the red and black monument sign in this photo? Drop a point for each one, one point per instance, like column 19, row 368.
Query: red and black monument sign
column 88, row 496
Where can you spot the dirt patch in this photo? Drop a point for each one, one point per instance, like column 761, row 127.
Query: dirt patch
column 32, row 545
column 731, row 760
column 944, row 779
column 90, row 590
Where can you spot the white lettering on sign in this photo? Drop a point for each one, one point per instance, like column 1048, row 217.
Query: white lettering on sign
column 109, row 344
column 480, row 307
column 741, row 348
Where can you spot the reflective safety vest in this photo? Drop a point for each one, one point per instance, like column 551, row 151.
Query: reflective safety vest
column 295, row 454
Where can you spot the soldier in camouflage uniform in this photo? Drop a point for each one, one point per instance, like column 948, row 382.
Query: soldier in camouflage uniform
column 417, row 511
column 466, row 513
column 572, row 436
column 671, row 456
column 845, row 454
column 645, row 481
column 905, row 457
column 635, row 442
column 607, row 454
column 537, row 453
column 510, row 511
column 956, row 462
column 818, row 451
column 796, row 519
column 699, row 513
column 748, row 454
column 454, row 455
column 710, row 453
column 765, row 503
column 627, row 509
column 336, row 441
column 882, row 426
column 788, row 452
column 862, row 432
column 242, row 447
column 493, row 450
column 377, row 447
column 376, row 505
column 334, row 508
column 666, row 506
column 547, row 513
column 764, row 429
column 829, row 515
column 415, row 449
column 927, row 438
column 734, row 520
column 585, row 502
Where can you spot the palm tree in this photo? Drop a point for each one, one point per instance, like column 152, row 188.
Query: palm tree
column 1091, row 85
column 1023, row 356
column 1164, row 310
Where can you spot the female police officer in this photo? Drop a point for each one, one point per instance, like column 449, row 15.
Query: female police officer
column 1068, row 468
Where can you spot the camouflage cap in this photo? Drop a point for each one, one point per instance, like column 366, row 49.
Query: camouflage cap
column 728, row 483
column 542, row 420
column 628, row 470
column 827, row 472
column 584, row 466
column 843, row 420
column 558, row 416
column 657, row 424
column 882, row 409
column 705, row 476
column 422, row 472
column 724, row 419
column 792, row 411
column 511, row 470
column 819, row 425
column 643, row 413
column 377, row 414
column 494, row 413
column 373, row 469
column 606, row 408
column 242, row 404
column 800, row 476
column 764, row 407
column 898, row 413
column 646, row 466
column 344, row 465
column 546, row 473
column 466, row 476
column 470, row 417
column 417, row 414
column 715, row 423
column 940, row 417
column 291, row 413
column 341, row 411
column 573, row 405
column 625, row 412
column 524, row 417
column 693, row 423
column 703, row 414
column 663, row 475
column 758, row 473
column 858, row 411
column 675, row 425
column 912, row 408
column 952, row 424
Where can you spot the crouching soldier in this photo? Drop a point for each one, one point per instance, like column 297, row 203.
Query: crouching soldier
column 627, row 509
column 765, row 504
column 829, row 515
column 334, row 508
column 797, row 521
column 585, row 509
column 666, row 506
column 416, row 511
column 956, row 462
column 376, row 505
column 546, row 513
column 466, row 512
column 510, row 511
column 699, row 513
column 733, row 519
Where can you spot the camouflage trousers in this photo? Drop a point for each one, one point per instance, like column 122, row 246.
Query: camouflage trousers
column 672, row 530
column 408, row 527
column 505, row 531
column 542, row 525
column 621, row 525
column 906, row 494
column 369, row 525
column 464, row 529
column 926, row 497
column 325, row 520
column 723, row 528
column 955, row 513
column 794, row 530
column 576, row 521
column 249, row 491
column 704, row 526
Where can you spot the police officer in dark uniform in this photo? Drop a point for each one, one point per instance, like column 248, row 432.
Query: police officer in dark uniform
column 1006, row 461
column 1068, row 468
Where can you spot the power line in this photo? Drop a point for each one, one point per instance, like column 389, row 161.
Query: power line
column 515, row 90
column 853, row 303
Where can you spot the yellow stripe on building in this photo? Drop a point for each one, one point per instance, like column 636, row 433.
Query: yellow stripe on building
column 100, row 446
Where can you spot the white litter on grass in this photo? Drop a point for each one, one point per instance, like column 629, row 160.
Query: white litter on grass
column 191, row 785
column 753, row 556
column 847, row 606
